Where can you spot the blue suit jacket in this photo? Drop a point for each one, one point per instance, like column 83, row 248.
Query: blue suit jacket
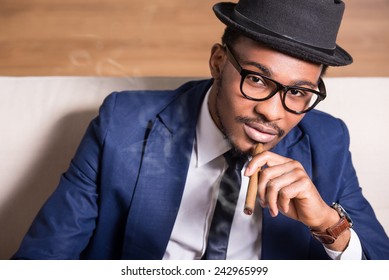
column 120, row 196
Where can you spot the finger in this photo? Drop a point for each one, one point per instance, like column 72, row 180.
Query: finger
column 265, row 158
column 285, row 185
column 256, row 163
column 297, row 189
column 268, row 178
column 275, row 189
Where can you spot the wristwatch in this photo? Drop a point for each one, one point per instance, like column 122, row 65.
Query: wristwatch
column 332, row 233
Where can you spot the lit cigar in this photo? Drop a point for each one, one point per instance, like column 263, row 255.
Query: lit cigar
column 252, row 189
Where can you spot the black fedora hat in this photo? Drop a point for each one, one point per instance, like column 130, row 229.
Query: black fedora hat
column 306, row 29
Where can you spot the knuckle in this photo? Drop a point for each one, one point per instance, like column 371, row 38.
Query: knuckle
column 297, row 165
column 266, row 173
column 271, row 184
column 285, row 194
column 305, row 181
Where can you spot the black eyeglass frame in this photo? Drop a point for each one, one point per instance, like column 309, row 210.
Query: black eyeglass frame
column 322, row 94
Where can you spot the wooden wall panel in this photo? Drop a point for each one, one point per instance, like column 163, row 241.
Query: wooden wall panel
column 152, row 38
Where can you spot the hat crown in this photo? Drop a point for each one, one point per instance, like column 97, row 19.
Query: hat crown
column 312, row 22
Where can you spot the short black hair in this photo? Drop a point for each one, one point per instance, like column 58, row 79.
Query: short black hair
column 231, row 36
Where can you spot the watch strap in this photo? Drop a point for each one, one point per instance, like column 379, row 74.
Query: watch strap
column 332, row 233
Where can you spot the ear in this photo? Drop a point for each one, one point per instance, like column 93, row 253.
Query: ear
column 217, row 60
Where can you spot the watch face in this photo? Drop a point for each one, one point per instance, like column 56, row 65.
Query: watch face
column 342, row 212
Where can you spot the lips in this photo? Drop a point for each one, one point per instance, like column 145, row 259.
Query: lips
column 259, row 132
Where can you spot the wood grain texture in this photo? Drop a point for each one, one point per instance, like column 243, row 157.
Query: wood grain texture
column 152, row 38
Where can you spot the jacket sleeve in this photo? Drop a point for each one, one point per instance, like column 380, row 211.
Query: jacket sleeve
column 337, row 181
column 374, row 241
column 65, row 223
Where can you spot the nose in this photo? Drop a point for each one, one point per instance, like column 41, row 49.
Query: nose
column 272, row 108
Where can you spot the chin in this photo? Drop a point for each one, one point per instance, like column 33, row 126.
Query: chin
column 242, row 144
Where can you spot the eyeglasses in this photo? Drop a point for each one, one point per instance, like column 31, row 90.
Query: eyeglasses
column 258, row 87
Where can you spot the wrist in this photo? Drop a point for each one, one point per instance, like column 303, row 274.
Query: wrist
column 331, row 217
column 337, row 225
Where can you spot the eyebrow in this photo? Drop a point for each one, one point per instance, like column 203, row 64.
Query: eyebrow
column 267, row 72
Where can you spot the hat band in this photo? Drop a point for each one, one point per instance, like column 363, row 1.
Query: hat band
column 244, row 21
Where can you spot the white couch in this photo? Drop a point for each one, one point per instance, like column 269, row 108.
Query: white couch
column 43, row 118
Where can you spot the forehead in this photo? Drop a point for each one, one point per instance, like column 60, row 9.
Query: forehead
column 251, row 55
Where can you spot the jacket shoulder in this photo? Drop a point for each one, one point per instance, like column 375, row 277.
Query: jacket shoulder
column 147, row 102
column 323, row 127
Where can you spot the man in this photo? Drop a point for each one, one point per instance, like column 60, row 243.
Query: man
column 144, row 183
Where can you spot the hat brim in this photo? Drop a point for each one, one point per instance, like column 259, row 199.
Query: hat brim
column 339, row 56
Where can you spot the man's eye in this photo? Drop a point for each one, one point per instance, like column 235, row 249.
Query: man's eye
column 297, row 92
column 256, row 80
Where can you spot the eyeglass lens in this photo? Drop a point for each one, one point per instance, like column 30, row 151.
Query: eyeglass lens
column 261, row 88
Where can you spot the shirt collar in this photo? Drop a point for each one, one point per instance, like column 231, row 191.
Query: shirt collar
column 210, row 141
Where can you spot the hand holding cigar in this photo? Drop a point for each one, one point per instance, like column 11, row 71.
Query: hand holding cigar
column 252, row 189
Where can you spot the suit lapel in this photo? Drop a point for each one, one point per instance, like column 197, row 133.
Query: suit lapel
column 296, row 145
column 162, row 177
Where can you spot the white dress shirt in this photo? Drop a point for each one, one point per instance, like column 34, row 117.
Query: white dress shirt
column 190, row 231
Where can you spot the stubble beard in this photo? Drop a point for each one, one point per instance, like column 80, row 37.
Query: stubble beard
column 227, row 135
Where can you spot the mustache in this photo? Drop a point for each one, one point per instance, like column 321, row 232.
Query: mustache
column 260, row 120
